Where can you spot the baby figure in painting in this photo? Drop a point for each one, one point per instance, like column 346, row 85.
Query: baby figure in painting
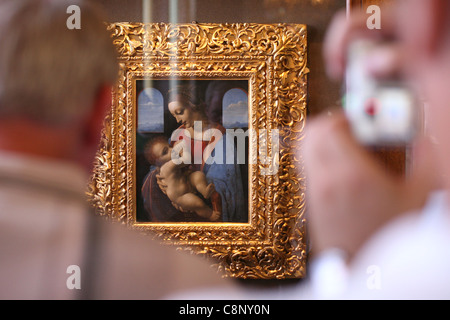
column 181, row 183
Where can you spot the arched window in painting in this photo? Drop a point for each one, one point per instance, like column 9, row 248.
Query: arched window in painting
column 235, row 109
column 150, row 115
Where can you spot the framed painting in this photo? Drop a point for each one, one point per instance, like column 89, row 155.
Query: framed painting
column 201, row 148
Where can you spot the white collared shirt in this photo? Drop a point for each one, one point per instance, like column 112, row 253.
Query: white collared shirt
column 409, row 258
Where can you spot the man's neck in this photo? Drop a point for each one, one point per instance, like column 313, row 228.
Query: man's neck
column 31, row 138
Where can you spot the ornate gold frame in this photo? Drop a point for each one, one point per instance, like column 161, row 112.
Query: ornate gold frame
column 274, row 59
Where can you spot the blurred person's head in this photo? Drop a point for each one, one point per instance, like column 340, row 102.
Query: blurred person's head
column 416, row 48
column 423, row 28
column 55, row 82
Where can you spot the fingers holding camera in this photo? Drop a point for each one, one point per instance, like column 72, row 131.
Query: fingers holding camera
column 345, row 29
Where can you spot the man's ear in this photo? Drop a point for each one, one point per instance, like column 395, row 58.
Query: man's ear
column 102, row 105
column 425, row 25
column 437, row 32
column 95, row 121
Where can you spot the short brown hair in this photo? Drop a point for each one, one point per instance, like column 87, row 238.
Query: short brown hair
column 48, row 72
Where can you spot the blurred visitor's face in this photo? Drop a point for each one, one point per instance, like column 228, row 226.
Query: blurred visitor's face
column 183, row 114
column 162, row 152
column 426, row 62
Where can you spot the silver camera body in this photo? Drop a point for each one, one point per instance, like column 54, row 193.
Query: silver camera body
column 381, row 113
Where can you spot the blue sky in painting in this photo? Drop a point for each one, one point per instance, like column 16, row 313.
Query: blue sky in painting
column 150, row 111
column 235, row 109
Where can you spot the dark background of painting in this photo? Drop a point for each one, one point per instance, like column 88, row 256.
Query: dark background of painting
column 213, row 100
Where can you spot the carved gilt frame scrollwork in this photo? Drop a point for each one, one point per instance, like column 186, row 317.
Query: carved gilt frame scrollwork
column 272, row 245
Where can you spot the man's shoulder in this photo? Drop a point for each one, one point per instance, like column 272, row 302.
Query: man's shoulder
column 155, row 268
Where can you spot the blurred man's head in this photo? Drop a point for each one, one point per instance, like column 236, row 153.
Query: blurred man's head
column 417, row 48
column 424, row 31
column 51, row 76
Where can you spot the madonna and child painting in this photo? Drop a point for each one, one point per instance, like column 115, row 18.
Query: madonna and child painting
column 192, row 151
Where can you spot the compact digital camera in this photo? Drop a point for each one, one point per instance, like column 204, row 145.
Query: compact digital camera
column 381, row 113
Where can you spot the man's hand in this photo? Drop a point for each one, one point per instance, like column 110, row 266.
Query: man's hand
column 386, row 59
column 349, row 194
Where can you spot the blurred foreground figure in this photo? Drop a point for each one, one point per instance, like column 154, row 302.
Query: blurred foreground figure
column 55, row 90
column 375, row 235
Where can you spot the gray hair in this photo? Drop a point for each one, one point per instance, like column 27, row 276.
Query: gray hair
column 48, row 72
